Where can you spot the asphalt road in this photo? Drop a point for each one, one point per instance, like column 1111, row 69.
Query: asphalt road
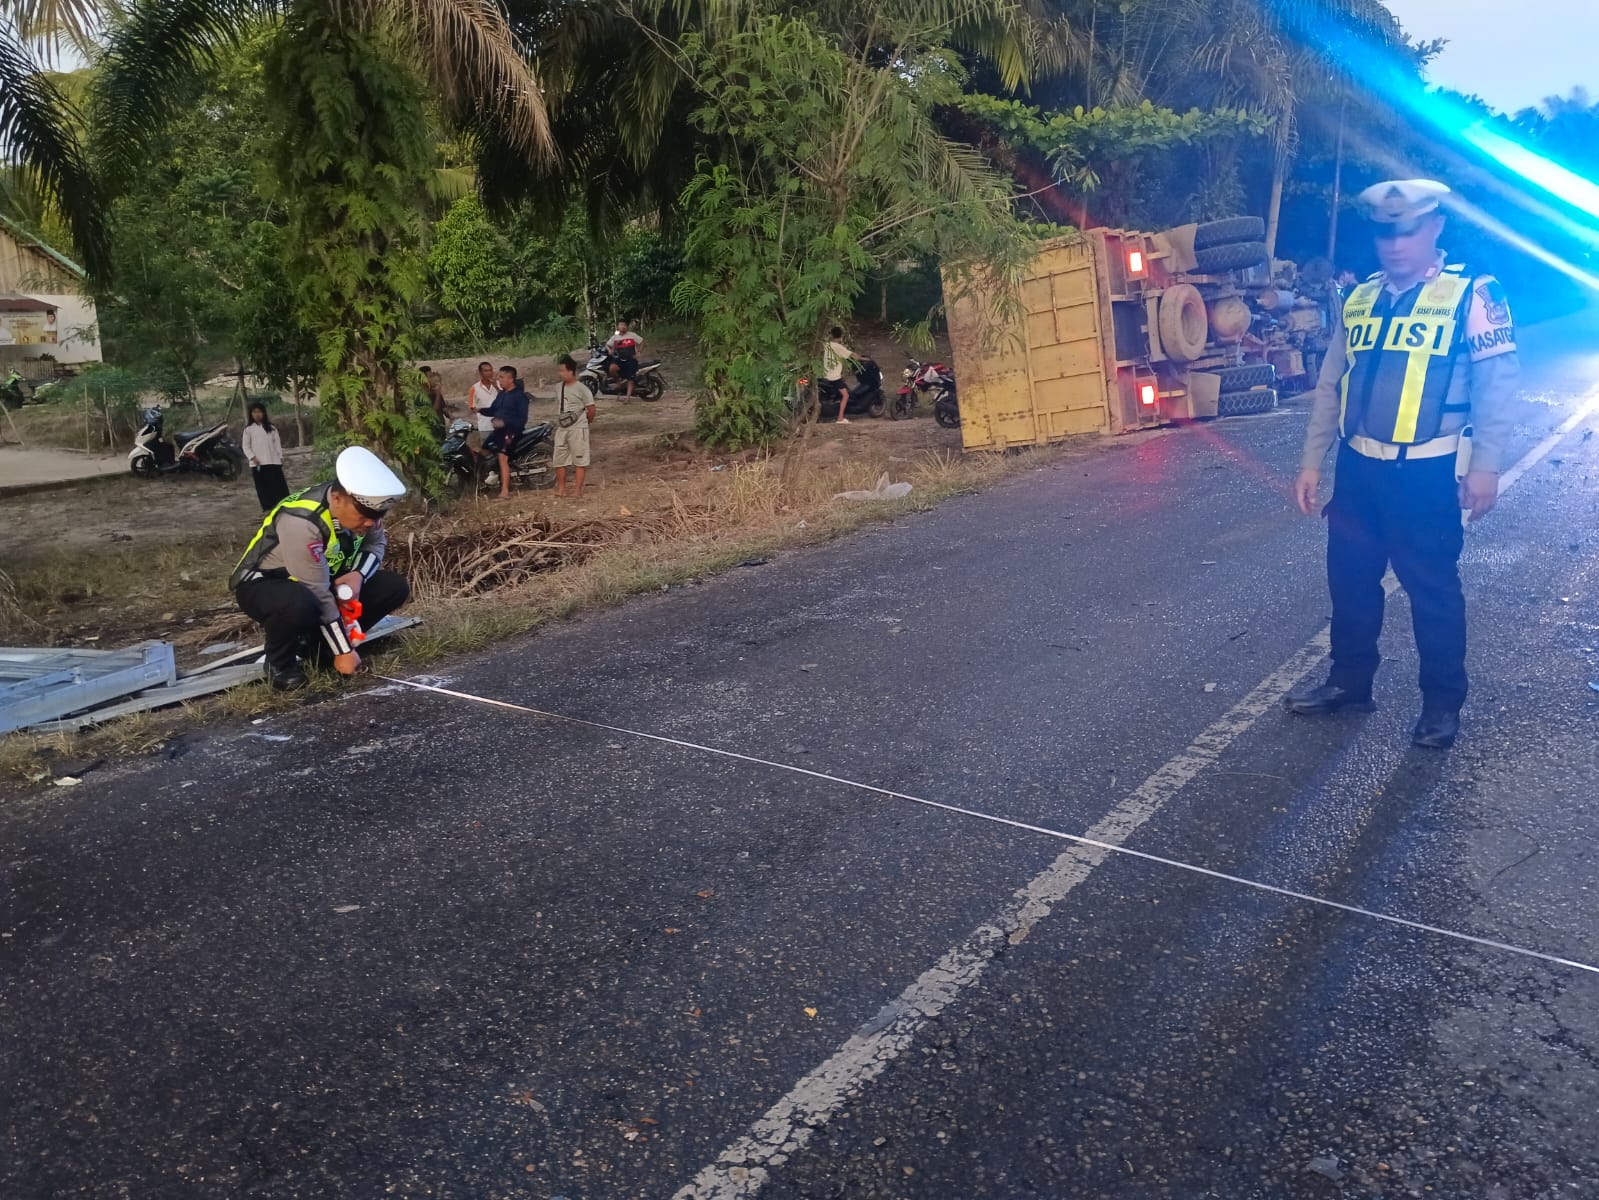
column 405, row 944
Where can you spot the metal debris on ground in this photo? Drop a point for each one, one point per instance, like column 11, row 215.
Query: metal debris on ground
column 57, row 690
column 39, row 684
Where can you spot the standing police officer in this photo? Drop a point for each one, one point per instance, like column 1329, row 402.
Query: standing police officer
column 1417, row 389
column 311, row 543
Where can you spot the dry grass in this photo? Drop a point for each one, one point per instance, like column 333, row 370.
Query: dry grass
column 486, row 575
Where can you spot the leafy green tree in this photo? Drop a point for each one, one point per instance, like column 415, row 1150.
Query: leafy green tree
column 835, row 166
column 269, row 336
column 1083, row 146
column 185, row 250
column 469, row 262
column 646, row 265
column 353, row 159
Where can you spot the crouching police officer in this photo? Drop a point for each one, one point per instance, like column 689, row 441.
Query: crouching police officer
column 1418, row 396
column 308, row 546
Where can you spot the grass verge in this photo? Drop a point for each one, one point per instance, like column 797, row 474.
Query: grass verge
column 696, row 529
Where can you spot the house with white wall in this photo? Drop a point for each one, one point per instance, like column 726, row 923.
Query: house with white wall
column 45, row 307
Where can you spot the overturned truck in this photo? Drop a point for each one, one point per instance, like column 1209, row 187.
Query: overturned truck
column 1118, row 330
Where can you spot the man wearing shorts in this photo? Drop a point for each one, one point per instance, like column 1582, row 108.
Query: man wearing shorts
column 574, row 413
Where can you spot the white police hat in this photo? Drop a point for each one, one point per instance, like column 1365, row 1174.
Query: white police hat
column 1402, row 202
column 367, row 480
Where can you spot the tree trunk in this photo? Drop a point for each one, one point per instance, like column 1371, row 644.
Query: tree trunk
column 299, row 413
column 1274, row 206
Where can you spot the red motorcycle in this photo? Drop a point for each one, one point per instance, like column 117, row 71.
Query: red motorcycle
column 937, row 380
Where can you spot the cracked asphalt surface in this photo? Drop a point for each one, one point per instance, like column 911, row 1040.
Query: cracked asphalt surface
column 428, row 948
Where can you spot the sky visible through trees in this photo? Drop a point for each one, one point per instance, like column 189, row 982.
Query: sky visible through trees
column 1510, row 56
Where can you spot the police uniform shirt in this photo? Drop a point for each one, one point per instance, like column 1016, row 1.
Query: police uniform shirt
column 302, row 551
column 1485, row 376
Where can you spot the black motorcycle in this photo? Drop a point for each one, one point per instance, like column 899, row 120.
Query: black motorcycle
column 530, row 456
column 649, row 381
column 208, row 451
column 865, row 394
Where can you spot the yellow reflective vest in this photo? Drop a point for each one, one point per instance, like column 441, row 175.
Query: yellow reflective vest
column 312, row 505
column 1402, row 353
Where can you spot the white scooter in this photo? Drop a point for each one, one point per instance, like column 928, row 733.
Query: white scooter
column 206, row 451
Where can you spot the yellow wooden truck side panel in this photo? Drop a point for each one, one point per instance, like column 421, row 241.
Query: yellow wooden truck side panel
column 1040, row 375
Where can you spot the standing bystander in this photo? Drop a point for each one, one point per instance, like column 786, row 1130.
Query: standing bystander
column 481, row 398
column 574, row 413
column 264, row 450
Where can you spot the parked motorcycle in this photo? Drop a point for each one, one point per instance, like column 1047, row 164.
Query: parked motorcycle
column 208, row 451
column 16, row 391
column 649, row 382
column 531, row 456
column 865, row 394
column 938, row 381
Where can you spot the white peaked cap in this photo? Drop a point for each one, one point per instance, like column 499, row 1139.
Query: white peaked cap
column 1399, row 201
column 367, row 479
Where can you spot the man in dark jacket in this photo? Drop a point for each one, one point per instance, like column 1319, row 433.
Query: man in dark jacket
column 508, row 414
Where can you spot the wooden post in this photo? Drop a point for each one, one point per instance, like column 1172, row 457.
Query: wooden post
column 11, row 421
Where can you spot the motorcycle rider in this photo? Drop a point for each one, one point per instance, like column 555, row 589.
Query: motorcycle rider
column 508, row 418
column 624, row 347
column 834, row 357
column 307, row 547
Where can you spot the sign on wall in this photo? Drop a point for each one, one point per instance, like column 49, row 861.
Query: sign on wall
column 27, row 328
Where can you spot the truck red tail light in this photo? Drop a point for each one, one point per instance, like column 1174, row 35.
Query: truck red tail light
column 1147, row 395
column 1135, row 262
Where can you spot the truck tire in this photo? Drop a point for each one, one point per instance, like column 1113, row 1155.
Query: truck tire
column 1240, row 404
column 1184, row 323
column 1233, row 229
column 1235, row 256
column 1241, row 379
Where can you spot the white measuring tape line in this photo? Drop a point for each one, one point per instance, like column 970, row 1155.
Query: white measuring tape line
column 1176, row 864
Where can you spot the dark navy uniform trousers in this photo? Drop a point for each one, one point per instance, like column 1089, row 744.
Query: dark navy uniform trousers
column 1406, row 513
column 291, row 618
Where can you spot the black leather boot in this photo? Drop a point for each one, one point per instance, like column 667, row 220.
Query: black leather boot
column 289, row 679
column 1328, row 698
column 1436, row 729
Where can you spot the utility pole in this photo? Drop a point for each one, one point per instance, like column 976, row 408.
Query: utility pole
column 1338, row 185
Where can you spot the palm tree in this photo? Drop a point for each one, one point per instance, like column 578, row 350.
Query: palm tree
column 478, row 69
column 1271, row 56
column 40, row 126
column 620, row 100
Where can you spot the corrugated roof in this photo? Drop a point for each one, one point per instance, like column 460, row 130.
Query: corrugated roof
column 28, row 239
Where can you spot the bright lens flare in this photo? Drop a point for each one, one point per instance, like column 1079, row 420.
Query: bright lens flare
column 1566, row 186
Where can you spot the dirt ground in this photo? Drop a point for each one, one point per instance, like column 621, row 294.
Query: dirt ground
column 46, row 464
column 116, row 560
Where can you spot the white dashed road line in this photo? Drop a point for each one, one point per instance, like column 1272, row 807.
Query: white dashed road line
column 742, row 1169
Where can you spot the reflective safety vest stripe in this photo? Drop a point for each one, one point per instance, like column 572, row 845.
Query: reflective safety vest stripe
column 1402, row 352
column 313, row 503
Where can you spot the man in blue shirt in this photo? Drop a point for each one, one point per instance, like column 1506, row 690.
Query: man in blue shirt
column 508, row 415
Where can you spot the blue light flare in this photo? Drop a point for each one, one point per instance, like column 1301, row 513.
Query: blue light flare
column 1564, row 185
